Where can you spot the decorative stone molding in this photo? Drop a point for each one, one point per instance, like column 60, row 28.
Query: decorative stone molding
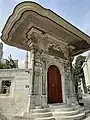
column 67, row 79
column 56, row 50
column 38, row 54
column 37, row 66
column 51, row 60
column 54, row 46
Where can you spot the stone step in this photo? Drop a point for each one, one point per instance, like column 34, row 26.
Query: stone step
column 73, row 117
column 62, row 107
column 46, row 118
column 37, row 107
column 58, row 105
column 85, row 109
column 40, row 110
column 42, row 115
column 67, row 113
column 19, row 118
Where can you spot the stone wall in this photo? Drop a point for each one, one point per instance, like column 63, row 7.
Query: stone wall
column 86, row 67
column 17, row 101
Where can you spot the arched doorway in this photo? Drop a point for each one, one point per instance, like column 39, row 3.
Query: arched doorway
column 54, row 85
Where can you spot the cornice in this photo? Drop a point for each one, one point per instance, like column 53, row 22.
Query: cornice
column 32, row 6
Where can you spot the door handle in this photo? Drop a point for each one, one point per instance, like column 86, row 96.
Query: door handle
column 52, row 85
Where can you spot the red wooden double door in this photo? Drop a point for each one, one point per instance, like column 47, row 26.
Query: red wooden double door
column 54, row 85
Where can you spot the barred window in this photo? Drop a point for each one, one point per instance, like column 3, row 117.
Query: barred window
column 5, row 87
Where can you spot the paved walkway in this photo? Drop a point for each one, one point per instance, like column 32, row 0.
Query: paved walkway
column 87, row 104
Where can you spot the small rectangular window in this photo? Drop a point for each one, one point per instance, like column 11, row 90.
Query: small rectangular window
column 5, row 87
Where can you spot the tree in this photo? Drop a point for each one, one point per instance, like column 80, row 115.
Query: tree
column 9, row 64
column 78, row 74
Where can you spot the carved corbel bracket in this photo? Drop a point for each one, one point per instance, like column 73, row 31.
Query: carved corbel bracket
column 30, row 42
column 31, row 37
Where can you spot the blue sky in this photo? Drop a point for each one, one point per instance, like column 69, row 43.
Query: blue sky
column 76, row 12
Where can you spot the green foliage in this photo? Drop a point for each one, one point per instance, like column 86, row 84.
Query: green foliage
column 9, row 64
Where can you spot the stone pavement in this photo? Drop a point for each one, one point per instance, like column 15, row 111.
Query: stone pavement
column 87, row 117
column 87, row 105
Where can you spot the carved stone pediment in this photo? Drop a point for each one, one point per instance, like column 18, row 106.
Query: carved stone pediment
column 54, row 50
column 54, row 47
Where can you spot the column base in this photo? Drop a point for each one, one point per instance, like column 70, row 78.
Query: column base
column 44, row 101
column 71, row 100
column 35, row 100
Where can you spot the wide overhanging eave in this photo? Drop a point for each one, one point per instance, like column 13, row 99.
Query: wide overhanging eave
column 47, row 14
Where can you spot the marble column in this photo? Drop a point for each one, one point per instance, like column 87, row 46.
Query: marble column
column 44, row 77
column 32, row 78
column 44, row 83
column 72, row 87
column 33, row 69
column 67, row 82
column 36, row 78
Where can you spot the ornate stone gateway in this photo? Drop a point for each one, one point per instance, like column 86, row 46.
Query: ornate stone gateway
column 54, row 85
column 53, row 42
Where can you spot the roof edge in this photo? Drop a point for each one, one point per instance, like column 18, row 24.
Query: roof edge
column 27, row 5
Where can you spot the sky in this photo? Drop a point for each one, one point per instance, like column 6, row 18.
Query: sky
column 76, row 12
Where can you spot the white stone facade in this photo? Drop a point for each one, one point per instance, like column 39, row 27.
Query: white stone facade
column 86, row 67
column 17, row 101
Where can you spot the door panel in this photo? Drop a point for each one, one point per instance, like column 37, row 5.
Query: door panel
column 54, row 85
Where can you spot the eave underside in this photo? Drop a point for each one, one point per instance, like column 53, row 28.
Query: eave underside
column 30, row 19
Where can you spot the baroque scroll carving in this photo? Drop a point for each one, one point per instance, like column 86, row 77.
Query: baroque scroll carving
column 55, row 50
column 54, row 47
